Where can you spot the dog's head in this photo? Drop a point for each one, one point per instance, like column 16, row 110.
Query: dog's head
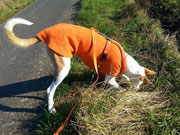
column 147, row 72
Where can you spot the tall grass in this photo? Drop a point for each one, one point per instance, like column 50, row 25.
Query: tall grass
column 9, row 7
column 143, row 38
column 154, row 109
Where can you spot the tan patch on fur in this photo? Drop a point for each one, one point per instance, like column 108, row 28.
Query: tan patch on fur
column 22, row 42
column 57, row 62
column 145, row 79
column 149, row 72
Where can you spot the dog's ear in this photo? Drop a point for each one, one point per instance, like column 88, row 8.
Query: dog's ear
column 149, row 72
column 145, row 79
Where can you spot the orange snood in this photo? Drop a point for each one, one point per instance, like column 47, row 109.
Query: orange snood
column 68, row 39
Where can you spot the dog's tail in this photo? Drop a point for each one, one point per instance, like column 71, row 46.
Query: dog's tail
column 16, row 40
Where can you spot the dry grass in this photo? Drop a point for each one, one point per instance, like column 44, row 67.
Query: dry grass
column 107, row 112
column 5, row 3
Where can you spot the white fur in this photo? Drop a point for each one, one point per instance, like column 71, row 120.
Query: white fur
column 134, row 73
column 112, row 81
column 14, row 21
column 52, row 88
column 134, row 70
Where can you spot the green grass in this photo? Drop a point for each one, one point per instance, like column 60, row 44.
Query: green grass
column 9, row 7
column 154, row 109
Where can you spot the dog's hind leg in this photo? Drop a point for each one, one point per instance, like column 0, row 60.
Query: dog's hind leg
column 62, row 67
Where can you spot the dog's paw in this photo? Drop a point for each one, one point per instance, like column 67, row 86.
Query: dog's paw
column 52, row 110
column 121, row 89
column 135, row 87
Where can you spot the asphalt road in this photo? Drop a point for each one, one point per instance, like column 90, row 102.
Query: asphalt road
column 26, row 73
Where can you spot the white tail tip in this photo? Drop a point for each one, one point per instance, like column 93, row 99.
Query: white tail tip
column 12, row 22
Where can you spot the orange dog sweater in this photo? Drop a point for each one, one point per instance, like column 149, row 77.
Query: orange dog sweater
column 68, row 39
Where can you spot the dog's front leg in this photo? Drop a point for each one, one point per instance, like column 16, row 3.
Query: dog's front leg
column 112, row 81
column 62, row 67
column 135, row 83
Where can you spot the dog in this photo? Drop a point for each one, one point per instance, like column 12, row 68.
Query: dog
column 63, row 40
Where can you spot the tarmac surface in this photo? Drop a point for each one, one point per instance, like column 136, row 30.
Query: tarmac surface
column 26, row 73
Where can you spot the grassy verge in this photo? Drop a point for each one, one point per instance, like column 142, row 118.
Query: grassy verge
column 9, row 7
column 151, row 110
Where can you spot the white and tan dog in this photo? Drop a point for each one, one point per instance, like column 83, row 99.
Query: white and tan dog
column 135, row 73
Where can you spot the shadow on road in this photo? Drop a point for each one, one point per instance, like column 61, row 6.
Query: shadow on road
column 16, row 90
column 22, row 114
